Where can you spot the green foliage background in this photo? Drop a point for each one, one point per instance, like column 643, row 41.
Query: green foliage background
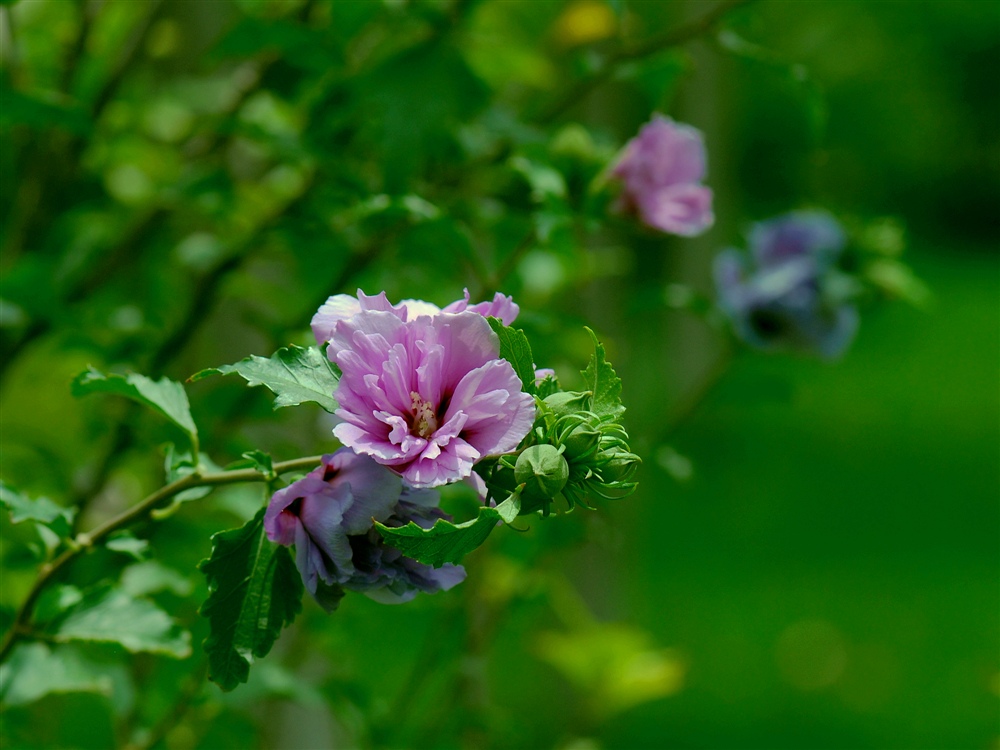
column 812, row 557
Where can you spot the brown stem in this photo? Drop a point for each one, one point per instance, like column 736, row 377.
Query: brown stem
column 85, row 540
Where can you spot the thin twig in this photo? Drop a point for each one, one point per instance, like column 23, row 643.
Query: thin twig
column 133, row 47
column 507, row 267
column 191, row 689
column 671, row 38
column 203, row 299
column 693, row 399
column 75, row 51
column 10, row 51
column 86, row 540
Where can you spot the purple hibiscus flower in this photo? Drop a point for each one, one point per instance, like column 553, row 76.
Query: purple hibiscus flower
column 427, row 396
column 661, row 170
column 328, row 516
column 342, row 306
column 788, row 294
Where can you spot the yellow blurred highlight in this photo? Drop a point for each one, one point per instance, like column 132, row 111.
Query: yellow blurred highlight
column 503, row 579
column 614, row 666
column 583, row 22
column 164, row 38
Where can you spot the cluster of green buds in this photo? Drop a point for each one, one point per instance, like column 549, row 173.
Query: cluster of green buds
column 572, row 452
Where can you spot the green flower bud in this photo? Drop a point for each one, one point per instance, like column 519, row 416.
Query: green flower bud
column 542, row 470
column 568, row 402
column 620, row 467
column 581, row 441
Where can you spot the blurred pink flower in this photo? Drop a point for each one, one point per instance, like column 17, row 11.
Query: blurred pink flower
column 661, row 170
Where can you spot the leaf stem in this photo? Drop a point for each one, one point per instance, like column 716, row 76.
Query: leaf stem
column 85, row 540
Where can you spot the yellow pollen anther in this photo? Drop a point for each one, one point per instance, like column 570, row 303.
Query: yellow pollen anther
column 424, row 420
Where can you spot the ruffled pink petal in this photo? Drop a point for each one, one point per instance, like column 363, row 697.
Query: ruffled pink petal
column 500, row 306
column 500, row 414
column 336, row 308
column 468, row 342
column 397, row 378
column 453, row 463
column 452, row 427
column 377, row 446
column 368, row 336
column 430, row 378
column 380, row 303
column 341, row 307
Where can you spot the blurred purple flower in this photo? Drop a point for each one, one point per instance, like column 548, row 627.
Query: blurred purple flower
column 328, row 516
column 427, row 396
column 788, row 294
column 799, row 234
column 343, row 306
column 661, row 170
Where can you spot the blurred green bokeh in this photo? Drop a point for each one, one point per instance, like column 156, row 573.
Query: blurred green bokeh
column 813, row 557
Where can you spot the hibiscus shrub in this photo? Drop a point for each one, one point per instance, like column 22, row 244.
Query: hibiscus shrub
column 426, row 397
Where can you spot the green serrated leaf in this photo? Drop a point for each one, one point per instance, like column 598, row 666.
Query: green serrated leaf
column 39, row 509
column 447, row 542
column 255, row 591
column 164, row 396
column 603, row 383
column 514, row 347
column 35, row 670
column 295, row 375
column 110, row 615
